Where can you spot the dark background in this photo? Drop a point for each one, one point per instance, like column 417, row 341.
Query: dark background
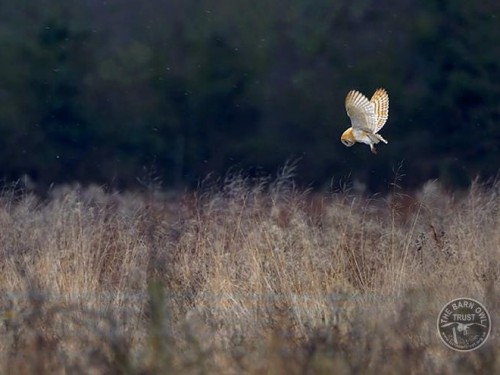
column 111, row 91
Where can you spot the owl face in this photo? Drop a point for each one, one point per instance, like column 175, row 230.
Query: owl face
column 347, row 138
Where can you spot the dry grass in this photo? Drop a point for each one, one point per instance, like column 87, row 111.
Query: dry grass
column 244, row 277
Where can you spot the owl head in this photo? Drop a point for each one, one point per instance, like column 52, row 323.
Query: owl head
column 347, row 138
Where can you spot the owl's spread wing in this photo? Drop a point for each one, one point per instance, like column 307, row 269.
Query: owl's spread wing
column 361, row 111
column 380, row 101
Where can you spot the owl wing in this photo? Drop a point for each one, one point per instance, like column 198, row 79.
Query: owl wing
column 380, row 101
column 361, row 111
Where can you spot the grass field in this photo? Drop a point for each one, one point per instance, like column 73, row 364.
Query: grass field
column 244, row 277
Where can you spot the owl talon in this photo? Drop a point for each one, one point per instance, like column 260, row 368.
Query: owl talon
column 373, row 149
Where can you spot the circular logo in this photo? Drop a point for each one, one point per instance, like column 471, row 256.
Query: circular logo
column 464, row 324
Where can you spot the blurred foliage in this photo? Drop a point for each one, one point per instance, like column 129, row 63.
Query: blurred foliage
column 101, row 91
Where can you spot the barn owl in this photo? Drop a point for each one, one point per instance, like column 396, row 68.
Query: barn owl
column 367, row 118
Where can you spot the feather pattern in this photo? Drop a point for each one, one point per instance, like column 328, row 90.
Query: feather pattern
column 361, row 111
column 380, row 101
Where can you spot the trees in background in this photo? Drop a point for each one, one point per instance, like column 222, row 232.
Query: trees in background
column 102, row 92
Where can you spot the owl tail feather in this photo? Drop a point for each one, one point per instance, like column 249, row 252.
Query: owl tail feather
column 376, row 138
column 382, row 139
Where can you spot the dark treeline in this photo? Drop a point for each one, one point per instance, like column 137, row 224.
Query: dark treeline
column 108, row 91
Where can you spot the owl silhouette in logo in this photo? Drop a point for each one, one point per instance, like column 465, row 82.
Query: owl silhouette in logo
column 367, row 118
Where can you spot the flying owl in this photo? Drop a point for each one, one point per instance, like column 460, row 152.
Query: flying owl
column 367, row 118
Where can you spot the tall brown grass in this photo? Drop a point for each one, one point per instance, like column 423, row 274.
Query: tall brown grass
column 244, row 276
